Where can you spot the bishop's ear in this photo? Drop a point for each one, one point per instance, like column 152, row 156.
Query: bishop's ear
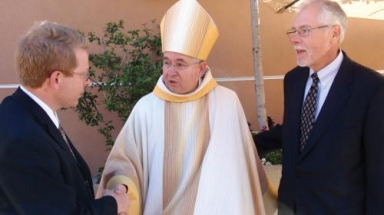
column 202, row 68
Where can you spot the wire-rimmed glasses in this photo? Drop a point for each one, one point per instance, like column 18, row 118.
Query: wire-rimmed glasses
column 303, row 31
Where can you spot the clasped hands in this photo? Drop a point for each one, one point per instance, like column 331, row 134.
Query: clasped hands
column 120, row 193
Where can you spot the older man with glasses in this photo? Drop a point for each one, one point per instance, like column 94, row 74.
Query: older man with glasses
column 332, row 134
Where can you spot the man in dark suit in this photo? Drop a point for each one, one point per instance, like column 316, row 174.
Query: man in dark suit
column 332, row 157
column 41, row 172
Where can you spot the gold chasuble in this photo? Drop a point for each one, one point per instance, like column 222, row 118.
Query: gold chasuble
column 186, row 131
column 189, row 154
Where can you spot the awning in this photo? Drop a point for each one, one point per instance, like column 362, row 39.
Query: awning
column 367, row 9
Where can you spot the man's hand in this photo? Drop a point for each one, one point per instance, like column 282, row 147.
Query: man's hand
column 121, row 196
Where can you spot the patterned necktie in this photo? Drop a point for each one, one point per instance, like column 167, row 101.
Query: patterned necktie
column 309, row 111
column 66, row 141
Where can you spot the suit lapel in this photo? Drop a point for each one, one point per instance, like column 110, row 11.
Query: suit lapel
column 43, row 119
column 296, row 88
column 40, row 116
column 298, row 91
column 337, row 96
column 84, row 169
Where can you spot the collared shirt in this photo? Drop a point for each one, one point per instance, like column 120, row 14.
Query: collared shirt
column 326, row 76
column 52, row 114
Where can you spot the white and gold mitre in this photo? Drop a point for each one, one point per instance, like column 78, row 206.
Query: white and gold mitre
column 188, row 29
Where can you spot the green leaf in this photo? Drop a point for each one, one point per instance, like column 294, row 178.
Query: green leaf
column 126, row 69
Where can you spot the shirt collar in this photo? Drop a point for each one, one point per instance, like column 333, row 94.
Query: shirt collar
column 52, row 114
column 328, row 73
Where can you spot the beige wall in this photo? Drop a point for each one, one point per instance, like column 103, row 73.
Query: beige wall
column 231, row 57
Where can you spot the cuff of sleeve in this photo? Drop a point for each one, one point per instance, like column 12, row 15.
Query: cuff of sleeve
column 133, row 194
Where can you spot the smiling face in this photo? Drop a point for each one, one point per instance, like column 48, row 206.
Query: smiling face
column 181, row 73
column 320, row 46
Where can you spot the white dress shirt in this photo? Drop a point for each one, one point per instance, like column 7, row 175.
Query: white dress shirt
column 326, row 77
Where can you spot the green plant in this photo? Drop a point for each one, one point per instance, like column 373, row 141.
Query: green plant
column 126, row 69
column 274, row 157
column 269, row 157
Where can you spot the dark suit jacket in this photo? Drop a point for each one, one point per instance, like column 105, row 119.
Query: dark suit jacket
column 340, row 171
column 38, row 175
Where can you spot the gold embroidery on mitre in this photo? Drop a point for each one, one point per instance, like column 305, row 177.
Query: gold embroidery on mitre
column 188, row 29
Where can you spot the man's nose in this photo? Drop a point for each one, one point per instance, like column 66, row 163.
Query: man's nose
column 88, row 82
column 294, row 38
column 171, row 70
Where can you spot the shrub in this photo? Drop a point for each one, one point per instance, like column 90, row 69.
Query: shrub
column 126, row 69
column 274, row 157
column 269, row 157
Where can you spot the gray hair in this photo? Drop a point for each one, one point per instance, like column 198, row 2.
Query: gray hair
column 330, row 14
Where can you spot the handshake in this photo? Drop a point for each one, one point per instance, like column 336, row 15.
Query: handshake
column 120, row 193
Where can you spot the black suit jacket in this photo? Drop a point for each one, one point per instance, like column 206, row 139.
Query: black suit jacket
column 38, row 175
column 340, row 171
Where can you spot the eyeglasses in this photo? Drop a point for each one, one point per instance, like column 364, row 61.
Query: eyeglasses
column 178, row 65
column 303, row 31
column 85, row 76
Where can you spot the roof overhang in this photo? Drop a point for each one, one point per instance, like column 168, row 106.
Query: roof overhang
column 366, row 9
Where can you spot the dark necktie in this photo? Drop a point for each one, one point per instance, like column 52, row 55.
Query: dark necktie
column 309, row 111
column 66, row 141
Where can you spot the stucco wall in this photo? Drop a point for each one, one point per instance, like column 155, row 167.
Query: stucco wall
column 231, row 56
